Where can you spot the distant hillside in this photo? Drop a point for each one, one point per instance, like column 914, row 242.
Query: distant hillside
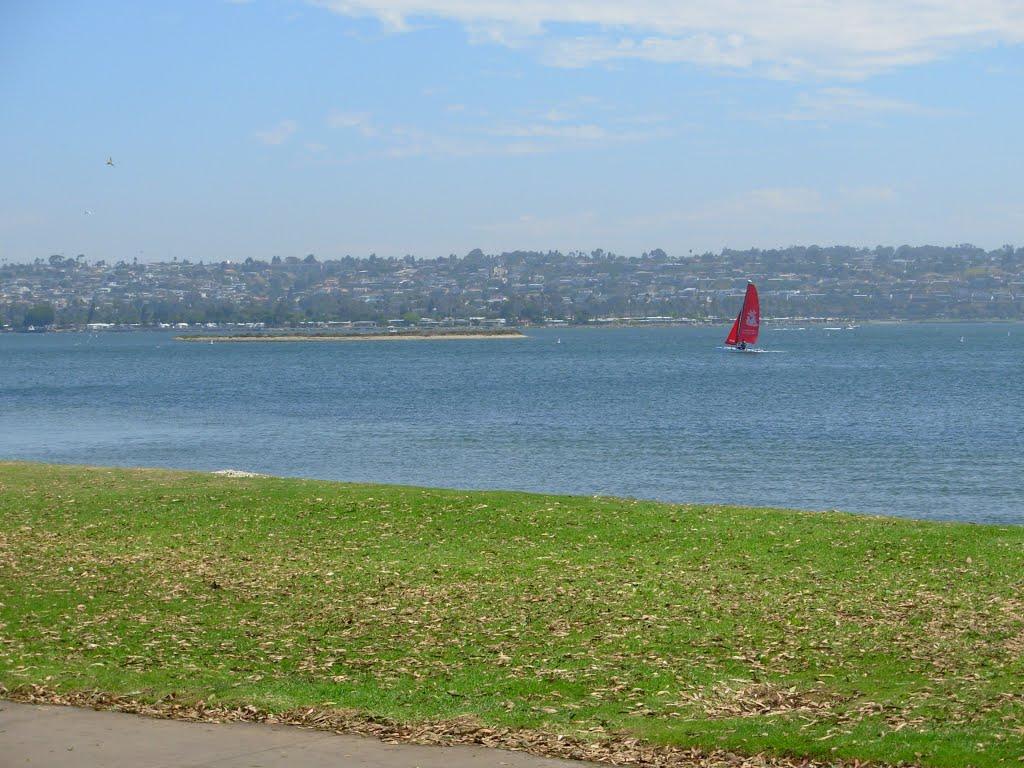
column 912, row 283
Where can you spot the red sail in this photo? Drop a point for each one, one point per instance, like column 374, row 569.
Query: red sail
column 750, row 316
column 731, row 339
column 748, row 321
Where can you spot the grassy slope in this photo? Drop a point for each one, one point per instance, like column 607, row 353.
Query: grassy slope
column 854, row 637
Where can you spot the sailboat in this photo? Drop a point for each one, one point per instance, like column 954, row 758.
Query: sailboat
column 747, row 323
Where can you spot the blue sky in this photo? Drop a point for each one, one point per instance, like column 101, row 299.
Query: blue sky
column 281, row 127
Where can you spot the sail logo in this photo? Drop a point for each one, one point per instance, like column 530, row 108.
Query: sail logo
column 751, row 317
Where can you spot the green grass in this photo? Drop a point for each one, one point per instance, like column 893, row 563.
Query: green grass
column 820, row 635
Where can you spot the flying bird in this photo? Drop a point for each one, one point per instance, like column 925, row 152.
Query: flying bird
column 88, row 212
column 110, row 162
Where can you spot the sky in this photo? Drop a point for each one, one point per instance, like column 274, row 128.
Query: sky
column 430, row 127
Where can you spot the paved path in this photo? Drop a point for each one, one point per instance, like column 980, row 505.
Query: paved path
column 47, row 736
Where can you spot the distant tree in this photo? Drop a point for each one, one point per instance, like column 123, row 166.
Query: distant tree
column 39, row 315
column 581, row 316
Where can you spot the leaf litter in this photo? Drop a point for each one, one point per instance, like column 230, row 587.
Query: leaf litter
column 596, row 619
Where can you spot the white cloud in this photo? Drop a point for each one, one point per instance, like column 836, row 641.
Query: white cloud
column 279, row 134
column 359, row 121
column 777, row 38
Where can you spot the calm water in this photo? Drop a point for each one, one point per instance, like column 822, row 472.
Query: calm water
column 903, row 420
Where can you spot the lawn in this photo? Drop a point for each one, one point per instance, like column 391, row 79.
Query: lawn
column 820, row 635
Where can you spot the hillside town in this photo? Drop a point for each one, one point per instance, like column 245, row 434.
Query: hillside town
column 519, row 287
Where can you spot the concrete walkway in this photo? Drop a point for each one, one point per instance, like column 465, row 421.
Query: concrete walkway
column 48, row 736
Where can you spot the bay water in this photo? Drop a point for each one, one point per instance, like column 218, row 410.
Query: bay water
column 915, row 420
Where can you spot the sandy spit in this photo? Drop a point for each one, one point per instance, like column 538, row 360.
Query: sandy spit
column 353, row 337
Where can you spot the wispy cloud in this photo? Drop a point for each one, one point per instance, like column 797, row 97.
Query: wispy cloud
column 850, row 39
column 580, row 132
column 474, row 134
column 757, row 213
column 729, row 51
column 416, row 144
column 582, row 121
column 843, row 104
column 406, row 141
column 792, row 200
column 871, row 195
column 765, row 209
column 558, row 115
column 547, row 227
column 759, row 205
column 359, row 121
column 279, row 133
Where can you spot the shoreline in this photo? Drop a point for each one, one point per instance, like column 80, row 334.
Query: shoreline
column 767, row 323
column 236, row 473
